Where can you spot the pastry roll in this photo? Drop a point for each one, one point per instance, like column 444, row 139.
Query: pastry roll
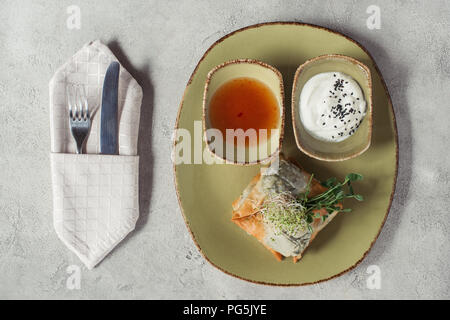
column 251, row 214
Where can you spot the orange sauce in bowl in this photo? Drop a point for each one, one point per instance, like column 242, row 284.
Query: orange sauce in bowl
column 244, row 103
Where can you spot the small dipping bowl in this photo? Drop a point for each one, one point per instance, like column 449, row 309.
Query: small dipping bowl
column 354, row 145
column 266, row 149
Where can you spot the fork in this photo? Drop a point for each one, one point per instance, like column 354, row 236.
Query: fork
column 79, row 116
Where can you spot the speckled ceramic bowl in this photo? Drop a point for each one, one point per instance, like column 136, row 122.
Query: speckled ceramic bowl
column 265, row 150
column 358, row 142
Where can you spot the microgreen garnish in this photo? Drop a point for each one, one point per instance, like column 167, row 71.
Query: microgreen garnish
column 335, row 194
column 290, row 215
column 285, row 213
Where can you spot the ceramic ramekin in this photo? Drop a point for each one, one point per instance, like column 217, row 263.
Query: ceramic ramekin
column 358, row 142
column 230, row 153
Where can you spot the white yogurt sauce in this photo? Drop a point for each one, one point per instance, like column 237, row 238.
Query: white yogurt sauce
column 332, row 106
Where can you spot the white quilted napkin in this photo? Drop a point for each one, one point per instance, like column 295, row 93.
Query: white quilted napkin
column 95, row 196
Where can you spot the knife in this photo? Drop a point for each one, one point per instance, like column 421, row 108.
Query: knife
column 109, row 114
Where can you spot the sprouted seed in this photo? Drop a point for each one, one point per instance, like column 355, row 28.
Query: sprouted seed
column 290, row 215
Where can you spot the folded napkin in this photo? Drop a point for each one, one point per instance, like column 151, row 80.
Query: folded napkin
column 95, row 196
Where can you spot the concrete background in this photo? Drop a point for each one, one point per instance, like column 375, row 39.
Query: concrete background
column 160, row 42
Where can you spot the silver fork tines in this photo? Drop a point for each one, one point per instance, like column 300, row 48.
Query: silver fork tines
column 79, row 117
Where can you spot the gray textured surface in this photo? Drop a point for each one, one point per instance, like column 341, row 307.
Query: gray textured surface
column 161, row 42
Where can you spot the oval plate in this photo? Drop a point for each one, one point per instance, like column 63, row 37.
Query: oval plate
column 205, row 192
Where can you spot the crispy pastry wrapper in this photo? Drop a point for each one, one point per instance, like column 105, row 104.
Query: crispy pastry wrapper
column 246, row 210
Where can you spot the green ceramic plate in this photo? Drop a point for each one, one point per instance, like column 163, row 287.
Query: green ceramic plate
column 205, row 192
